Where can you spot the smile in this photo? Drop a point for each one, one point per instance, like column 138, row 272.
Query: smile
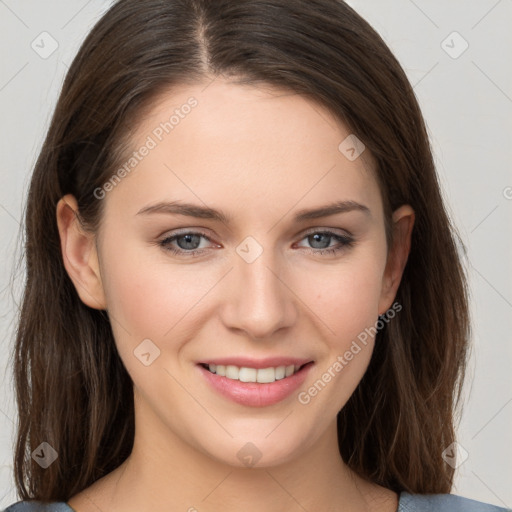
column 247, row 374
column 259, row 384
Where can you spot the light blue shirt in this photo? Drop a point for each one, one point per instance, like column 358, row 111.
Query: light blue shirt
column 406, row 503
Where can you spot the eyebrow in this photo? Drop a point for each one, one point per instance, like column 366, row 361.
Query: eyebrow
column 204, row 212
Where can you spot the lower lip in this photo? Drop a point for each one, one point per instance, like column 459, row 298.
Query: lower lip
column 254, row 394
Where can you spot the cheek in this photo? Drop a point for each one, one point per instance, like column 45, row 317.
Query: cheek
column 138, row 298
column 157, row 303
column 151, row 300
column 346, row 297
column 346, row 303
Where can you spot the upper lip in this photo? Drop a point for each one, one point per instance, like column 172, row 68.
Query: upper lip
column 248, row 362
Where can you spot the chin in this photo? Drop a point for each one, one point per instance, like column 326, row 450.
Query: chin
column 258, row 451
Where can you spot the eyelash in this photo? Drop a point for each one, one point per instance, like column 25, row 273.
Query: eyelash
column 345, row 242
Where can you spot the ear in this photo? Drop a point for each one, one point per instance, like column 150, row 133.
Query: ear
column 79, row 254
column 402, row 224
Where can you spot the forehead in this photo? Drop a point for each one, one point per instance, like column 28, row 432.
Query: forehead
column 249, row 146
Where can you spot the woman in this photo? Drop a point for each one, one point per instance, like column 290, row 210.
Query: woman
column 243, row 289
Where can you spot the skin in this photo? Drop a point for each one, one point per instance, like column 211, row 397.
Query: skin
column 259, row 155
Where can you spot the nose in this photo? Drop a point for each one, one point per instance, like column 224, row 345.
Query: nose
column 260, row 300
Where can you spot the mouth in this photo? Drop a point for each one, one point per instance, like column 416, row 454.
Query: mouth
column 255, row 383
column 250, row 374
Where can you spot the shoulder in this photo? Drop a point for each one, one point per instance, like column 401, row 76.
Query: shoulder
column 39, row 506
column 443, row 503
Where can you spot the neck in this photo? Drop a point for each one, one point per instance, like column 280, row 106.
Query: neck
column 165, row 473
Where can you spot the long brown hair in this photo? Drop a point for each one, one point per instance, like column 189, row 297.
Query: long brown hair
column 72, row 389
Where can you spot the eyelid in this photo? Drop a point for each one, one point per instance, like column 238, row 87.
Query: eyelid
column 336, row 231
column 203, row 232
column 173, row 235
column 346, row 241
column 185, row 231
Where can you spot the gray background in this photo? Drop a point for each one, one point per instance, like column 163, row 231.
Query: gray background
column 466, row 97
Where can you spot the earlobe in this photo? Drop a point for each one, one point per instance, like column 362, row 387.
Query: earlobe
column 79, row 254
column 402, row 225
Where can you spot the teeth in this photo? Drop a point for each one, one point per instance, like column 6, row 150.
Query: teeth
column 232, row 372
column 280, row 372
column 264, row 375
column 261, row 375
column 247, row 374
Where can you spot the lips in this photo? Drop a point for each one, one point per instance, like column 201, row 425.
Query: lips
column 257, row 363
column 255, row 383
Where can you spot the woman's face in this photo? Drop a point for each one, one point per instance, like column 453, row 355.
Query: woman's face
column 207, row 256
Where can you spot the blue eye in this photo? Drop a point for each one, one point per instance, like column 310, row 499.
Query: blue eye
column 189, row 246
column 344, row 241
column 189, row 243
